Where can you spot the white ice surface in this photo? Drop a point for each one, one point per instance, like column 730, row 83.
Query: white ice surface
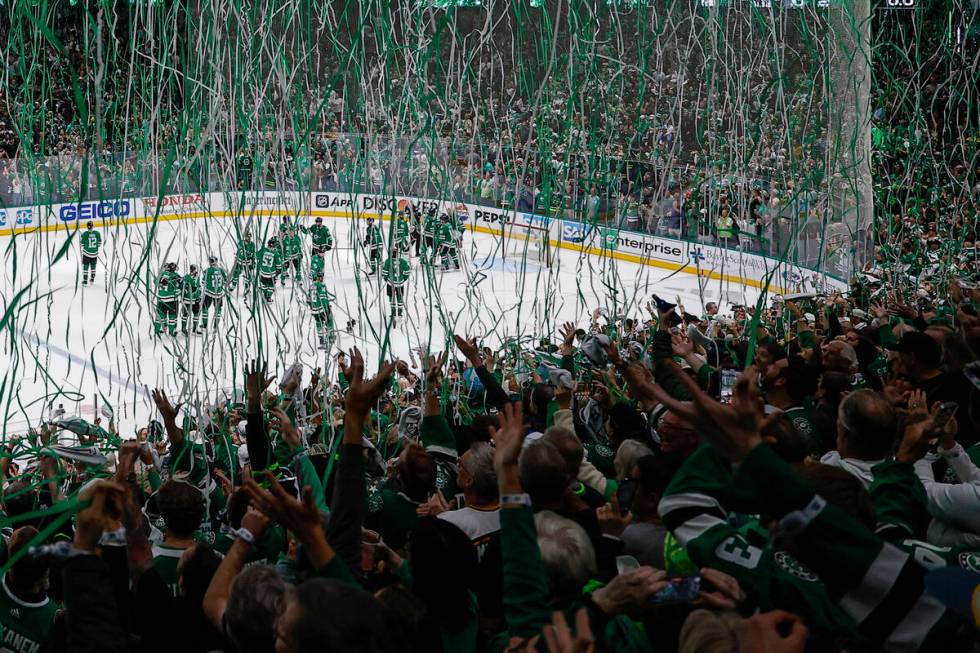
column 85, row 346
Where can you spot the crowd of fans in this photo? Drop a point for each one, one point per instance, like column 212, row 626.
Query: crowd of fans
column 800, row 478
column 803, row 475
column 664, row 151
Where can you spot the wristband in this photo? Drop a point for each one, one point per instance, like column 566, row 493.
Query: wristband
column 59, row 550
column 515, row 500
column 952, row 452
column 113, row 538
column 795, row 522
column 245, row 535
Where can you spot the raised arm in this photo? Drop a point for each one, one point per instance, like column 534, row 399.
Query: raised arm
column 879, row 586
column 526, row 596
column 169, row 414
column 256, row 438
column 216, row 598
column 496, row 396
column 347, row 504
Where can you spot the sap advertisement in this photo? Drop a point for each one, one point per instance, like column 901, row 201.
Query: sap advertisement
column 594, row 239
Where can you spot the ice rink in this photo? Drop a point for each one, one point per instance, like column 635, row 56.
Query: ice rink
column 90, row 346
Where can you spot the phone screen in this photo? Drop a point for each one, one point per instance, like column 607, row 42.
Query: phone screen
column 972, row 373
column 625, row 494
column 728, row 378
column 680, row 589
column 944, row 414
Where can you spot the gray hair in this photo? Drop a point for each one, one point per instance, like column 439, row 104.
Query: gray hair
column 628, row 453
column 847, row 352
column 569, row 446
column 478, row 463
column 257, row 597
column 566, row 552
column 868, row 423
column 705, row 631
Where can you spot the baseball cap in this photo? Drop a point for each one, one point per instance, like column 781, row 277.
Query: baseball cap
column 923, row 346
column 958, row 589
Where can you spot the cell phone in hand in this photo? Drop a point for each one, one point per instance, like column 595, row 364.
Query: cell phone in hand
column 972, row 372
column 370, row 549
column 728, row 378
column 944, row 414
column 625, row 564
column 680, row 589
column 625, row 494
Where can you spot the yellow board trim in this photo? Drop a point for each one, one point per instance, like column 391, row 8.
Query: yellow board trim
column 197, row 215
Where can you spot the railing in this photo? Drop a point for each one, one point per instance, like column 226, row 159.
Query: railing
column 797, row 229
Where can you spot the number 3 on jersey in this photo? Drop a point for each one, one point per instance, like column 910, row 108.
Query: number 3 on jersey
column 738, row 552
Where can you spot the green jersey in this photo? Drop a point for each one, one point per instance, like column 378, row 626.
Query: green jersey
column 445, row 235
column 319, row 298
column 457, row 223
column 91, row 242
column 373, row 236
column 392, row 514
column 190, row 289
column 429, row 225
column 292, row 247
column 395, row 271
column 713, row 537
column 322, row 238
column 893, row 610
column 802, row 422
column 165, row 561
column 245, row 254
column 270, row 261
column 215, row 281
column 226, row 456
column 188, row 459
column 401, row 232
column 24, row 626
column 317, row 266
column 168, row 286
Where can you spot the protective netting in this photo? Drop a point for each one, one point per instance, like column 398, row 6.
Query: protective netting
column 749, row 125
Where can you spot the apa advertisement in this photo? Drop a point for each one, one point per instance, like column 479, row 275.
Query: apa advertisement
column 334, row 201
column 385, row 206
column 575, row 234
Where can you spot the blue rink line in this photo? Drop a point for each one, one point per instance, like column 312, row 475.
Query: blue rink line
column 86, row 363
